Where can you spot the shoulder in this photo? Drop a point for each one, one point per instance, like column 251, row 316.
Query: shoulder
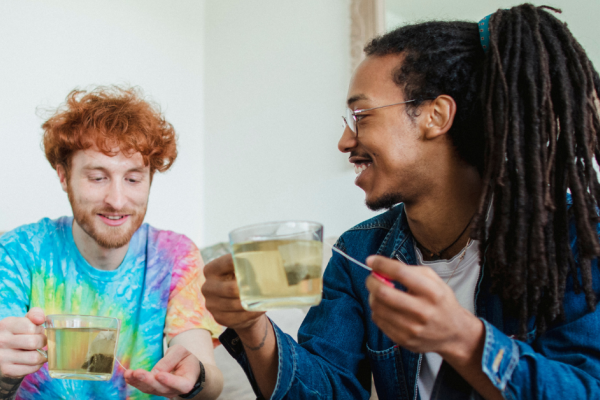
column 169, row 241
column 35, row 233
column 165, row 237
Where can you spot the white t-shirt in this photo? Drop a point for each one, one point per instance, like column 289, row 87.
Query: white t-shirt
column 463, row 284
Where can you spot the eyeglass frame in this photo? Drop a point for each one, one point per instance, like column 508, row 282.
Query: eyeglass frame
column 354, row 112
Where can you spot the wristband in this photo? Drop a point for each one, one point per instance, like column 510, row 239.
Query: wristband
column 198, row 386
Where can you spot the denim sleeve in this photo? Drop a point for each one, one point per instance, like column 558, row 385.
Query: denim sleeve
column 329, row 360
column 566, row 364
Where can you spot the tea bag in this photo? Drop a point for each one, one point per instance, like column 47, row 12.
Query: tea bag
column 100, row 355
column 301, row 261
column 263, row 269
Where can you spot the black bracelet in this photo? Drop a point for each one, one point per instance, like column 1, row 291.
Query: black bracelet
column 198, row 386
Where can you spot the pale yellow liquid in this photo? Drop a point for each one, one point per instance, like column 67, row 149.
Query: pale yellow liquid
column 278, row 273
column 81, row 353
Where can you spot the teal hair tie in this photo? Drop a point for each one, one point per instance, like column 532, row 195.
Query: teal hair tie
column 484, row 33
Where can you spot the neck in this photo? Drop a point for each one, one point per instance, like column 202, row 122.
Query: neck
column 96, row 255
column 438, row 218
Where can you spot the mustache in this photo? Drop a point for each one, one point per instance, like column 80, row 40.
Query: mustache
column 357, row 154
column 111, row 210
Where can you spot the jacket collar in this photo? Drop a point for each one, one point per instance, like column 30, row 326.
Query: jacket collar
column 398, row 243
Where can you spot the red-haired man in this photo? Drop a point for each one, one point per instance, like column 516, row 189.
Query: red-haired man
column 105, row 146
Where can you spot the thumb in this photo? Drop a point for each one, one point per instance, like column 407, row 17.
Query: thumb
column 36, row 315
column 172, row 358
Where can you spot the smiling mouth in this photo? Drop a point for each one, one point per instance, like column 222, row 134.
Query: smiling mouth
column 113, row 217
column 361, row 167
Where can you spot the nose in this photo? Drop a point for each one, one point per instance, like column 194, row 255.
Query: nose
column 348, row 140
column 116, row 195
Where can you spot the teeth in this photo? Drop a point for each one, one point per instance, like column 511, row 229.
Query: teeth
column 114, row 217
column 359, row 168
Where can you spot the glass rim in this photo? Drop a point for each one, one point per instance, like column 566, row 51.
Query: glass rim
column 317, row 224
column 74, row 316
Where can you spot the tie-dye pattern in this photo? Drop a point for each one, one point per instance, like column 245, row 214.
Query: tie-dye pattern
column 154, row 292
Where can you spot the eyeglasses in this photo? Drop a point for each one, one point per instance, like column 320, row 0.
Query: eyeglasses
column 351, row 116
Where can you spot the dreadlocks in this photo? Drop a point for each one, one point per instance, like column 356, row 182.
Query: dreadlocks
column 527, row 118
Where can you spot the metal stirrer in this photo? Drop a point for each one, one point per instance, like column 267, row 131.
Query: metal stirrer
column 375, row 274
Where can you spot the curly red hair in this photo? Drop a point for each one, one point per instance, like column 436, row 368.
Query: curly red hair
column 109, row 118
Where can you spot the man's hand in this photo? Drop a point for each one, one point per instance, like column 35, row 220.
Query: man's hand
column 253, row 328
column 19, row 340
column 426, row 318
column 175, row 374
column 223, row 297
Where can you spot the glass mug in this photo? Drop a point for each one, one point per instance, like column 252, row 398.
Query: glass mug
column 81, row 346
column 278, row 264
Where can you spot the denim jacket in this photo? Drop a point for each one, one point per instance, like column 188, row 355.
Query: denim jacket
column 339, row 346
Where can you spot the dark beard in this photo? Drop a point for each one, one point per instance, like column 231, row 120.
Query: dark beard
column 385, row 202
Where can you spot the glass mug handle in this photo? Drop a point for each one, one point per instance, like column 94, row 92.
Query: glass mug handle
column 43, row 352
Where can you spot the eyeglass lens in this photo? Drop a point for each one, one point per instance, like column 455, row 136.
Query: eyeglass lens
column 350, row 120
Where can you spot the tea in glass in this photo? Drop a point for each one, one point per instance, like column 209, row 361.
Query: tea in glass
column 278, row 265
column 81, row 347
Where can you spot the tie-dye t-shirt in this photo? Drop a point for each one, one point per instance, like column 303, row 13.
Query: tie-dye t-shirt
column 155, row 292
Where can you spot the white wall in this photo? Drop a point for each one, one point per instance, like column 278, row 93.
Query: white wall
column 254, row 89
column 580, row 15
column 277, row 73
column 50, row 47
column 276, row 76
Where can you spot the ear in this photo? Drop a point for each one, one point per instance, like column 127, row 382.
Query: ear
column 62, row 176
column 437, row 117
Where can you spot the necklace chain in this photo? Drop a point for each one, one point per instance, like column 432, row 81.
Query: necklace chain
column 436, row 256
column 462, row 256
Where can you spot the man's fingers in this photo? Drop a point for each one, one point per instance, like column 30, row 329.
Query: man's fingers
column 161, row 383
column 18, row 370
column 139, row 384
column 173, row 357
column 20, row 357
column 416, row 279
column 22, row 326
column 26, row 342
column 390, row 297
column 224, row 305
column 36, row 316
column 221, row 267
column 127, row 374
column 221, row 289
column 147, row 383
column 179, row 384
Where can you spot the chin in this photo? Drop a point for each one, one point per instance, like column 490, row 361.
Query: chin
column 383, row 202
column 113, row 240
column 109, row 237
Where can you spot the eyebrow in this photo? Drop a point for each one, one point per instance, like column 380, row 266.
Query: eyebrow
column 98, row 168
column 356, row 98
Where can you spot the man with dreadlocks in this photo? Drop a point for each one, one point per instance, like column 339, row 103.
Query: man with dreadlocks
column 481, row 140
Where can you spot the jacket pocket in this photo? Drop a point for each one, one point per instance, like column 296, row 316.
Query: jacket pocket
column 388, row 373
